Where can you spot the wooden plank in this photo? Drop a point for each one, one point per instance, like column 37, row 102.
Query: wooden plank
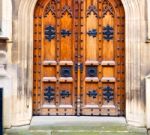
column 108, row 79
column 66, row 63
column 93, row 63
column 49, row 63
column 49, row 79
column 66, row 79
column 91, row 79
column 108, row 63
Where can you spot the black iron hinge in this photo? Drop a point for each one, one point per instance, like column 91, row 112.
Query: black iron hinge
column 78, row 66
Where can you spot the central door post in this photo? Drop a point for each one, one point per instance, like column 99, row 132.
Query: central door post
column 78, row 90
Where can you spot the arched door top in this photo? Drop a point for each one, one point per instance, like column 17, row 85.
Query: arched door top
column 79, row 58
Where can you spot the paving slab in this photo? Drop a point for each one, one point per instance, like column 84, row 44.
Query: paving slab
column 25, row 131
column 75, row 133
column 94, row 133
column 122, row 133
column 85, row 127
column 136, row 129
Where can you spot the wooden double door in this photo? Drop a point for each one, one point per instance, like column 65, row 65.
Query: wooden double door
column 79, row 58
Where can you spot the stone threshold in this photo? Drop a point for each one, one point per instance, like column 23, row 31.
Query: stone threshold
column 74, row 120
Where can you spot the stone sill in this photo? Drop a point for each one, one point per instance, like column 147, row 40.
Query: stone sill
column 3, row 38
column 148, row 41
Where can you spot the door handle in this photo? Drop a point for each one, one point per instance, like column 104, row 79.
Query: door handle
column 78, row 66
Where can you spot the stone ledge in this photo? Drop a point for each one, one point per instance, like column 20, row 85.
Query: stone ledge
column 148, row 41
column 3, row 38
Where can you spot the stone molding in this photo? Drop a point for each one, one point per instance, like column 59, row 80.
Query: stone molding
column 135, row 25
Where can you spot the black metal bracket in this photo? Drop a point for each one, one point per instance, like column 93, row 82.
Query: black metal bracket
column 65, row 93
column 92, row 93
column 91, row 71
column 108, row 93
column 65, row 33
column 49, row 94
column 92, row 32
column 78, row 66
column 50, row 33
column 65, row 71
column 108, row 33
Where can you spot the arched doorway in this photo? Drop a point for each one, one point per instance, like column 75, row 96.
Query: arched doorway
column 79, row 58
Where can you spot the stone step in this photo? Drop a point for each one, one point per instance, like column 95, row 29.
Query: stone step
column 25, row 132
column 83, row 126
column 77, row 126
column 78, row 123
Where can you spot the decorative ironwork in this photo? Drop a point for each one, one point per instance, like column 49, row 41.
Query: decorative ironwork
column 92, row 71
column 108, row 93
column 66, row 72
column 92, row 33
column 49, row 94
column 107, row 7
column 65, row 33
column 93, row 9
column 65, row 93
column 92, row 93
column 50, row 32
column 108, row 33
column 67, row 9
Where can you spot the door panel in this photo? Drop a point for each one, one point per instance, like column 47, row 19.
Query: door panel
column 102, row 40
column 54, row 85
column 79, row 62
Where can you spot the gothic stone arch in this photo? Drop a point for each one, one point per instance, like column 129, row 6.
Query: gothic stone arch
column 134, row 11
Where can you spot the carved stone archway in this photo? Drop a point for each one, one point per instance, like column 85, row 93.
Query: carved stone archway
column 135, row 106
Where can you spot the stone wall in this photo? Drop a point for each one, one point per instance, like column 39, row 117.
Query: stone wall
column 20, row 63
column 148, row 20
column 5, row 83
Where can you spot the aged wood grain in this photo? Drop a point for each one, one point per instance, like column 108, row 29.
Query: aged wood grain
column 79, row 58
